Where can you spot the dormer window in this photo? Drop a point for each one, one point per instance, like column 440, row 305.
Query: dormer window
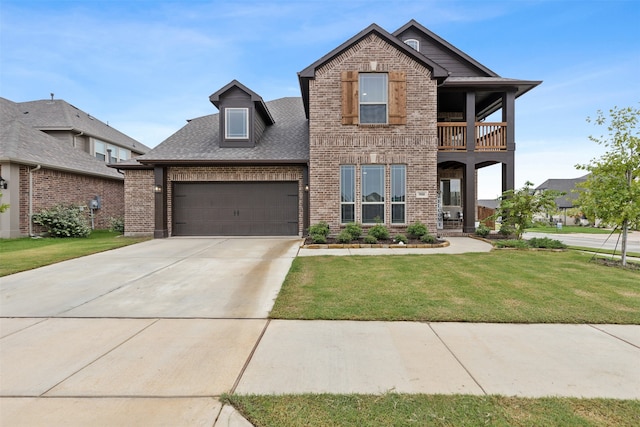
column 413, row 43
column 236, row 123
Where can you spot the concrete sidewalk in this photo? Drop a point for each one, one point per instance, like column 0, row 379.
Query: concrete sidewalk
column 153, row 334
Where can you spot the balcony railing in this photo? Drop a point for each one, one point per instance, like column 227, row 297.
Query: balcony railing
column 452, row 136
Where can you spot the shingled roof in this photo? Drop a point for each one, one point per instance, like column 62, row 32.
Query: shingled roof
column 285, row 141
column 566, row 186
column 57, row 114
column 23, row 144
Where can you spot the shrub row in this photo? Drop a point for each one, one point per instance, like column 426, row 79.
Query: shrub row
column 353, row 231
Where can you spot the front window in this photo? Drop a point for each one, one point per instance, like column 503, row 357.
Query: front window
column 236, row 123
column 372, row 194
column 451, row 192
column 398, row 193
column 373, row 98
column 347, row 194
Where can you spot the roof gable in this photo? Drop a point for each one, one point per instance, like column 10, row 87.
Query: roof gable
column 259, row 103
column 455, row 61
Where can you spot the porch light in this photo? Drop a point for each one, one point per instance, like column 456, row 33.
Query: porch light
column 306, row 188
column 157, row 188
column 3, row 183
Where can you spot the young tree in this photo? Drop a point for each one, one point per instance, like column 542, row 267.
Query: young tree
column 517, row 207
column 612, row 190
column 3, row 206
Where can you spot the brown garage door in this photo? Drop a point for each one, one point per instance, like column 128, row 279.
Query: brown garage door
column 235, row 209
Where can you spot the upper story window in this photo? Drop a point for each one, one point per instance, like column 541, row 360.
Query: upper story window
column 100, row 150
column 413, row 43
column 123, row 154
column 236, row 123
column 373, row 98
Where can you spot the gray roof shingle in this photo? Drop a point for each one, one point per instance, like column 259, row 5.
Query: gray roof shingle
column 21, row 143
column 564, row 185
column 287, row 140
column 57, row 114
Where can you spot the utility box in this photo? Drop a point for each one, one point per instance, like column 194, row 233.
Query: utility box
column 95, row 203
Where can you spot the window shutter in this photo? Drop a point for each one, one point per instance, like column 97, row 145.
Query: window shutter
column 349, row 97
column 397, row 98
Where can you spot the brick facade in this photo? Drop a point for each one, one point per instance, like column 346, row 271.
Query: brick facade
column 53, row 187
column 139, row 202
column 333, row 144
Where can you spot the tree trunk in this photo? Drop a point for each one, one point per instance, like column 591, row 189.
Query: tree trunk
column 625, row 228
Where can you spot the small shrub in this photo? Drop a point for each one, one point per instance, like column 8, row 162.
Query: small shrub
column 400, row 238
column 512, row 243
column 354, row 229
column 483, row 230
column 369, row 239
column 429, row 239
column 116, row 225
column 547, row 243
column 379, row 231
column 344, row 237
column 507, row 230
column 319, row 238
column 319, row 229
column 63, row 221
column 417, row 230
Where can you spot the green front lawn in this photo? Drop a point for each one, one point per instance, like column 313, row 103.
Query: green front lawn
column 499, row 286
column 27, row 253
column 432, row 410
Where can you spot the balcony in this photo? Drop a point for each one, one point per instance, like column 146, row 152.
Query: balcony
column 452, row 136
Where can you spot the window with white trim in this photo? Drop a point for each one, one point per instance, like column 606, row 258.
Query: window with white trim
column 373, row 98
column 123, row 154
column 372, row 194
column 415, row 44
column 100, row 149
column 347, row 194
column 398, row 194
column 236, row 123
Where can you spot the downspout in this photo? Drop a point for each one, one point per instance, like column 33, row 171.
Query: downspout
column 74, row 139
column 37, row 168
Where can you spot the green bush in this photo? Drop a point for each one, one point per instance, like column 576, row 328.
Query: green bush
column 483, row 230
column 354, row 229
column 319, row 238
column 545, row 242
column 429, row 239
column 369, row 239
column 116, row 225
column 507, row 230
column 512, row 243
column 379, row 231
column 344, row 237
column 63, row 221
column 400, row 238
column 417, row 230
column 319, row 229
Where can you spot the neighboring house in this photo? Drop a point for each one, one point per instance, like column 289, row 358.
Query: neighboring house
column 568, row 200
column 390, row 128
column 50, row 153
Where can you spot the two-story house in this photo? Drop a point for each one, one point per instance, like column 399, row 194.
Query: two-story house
column 390, row 128
column 52, row 153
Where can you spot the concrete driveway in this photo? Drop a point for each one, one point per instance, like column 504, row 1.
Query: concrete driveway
column 149, row 334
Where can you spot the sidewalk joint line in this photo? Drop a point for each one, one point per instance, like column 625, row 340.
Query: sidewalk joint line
column 614, row 336
column 459, row 361
column 246, row 363
column 98, row 358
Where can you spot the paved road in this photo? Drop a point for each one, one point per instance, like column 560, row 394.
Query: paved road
column 596, row 241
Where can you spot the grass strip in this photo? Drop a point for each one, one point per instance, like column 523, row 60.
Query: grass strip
column 505, row 286
column 27, row 253
column 569, row 229
column 603, row 251
column 391, row 409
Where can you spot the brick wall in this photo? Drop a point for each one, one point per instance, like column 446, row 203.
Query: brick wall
column 333, row 144
column 139, row 202
column 52, row 187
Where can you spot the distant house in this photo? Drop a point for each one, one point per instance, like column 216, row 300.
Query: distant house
column 52, row 152
column 568, row 200
column 389, row 128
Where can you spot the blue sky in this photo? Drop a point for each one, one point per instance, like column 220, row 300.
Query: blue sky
column 146, row 66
